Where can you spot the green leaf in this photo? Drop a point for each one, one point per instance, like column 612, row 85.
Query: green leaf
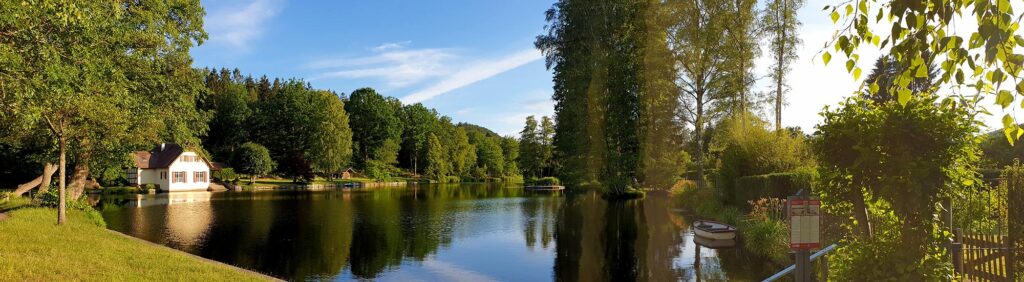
column 922, row 72
column 849, row 9
column 849, row 65
column 873, row 88
column 826, row 57
column 903, row 96
column 1004, row 98
column 856, row 74
column 835, row 17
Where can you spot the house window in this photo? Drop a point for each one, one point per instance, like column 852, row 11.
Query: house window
column 163, row 175
column 179, row 177
column 199, row 176
column 133, row 177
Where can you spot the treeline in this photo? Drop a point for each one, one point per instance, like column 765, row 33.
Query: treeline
column 637, row 82
column 310, row 132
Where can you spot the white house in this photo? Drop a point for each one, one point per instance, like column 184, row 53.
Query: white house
column 171, row 168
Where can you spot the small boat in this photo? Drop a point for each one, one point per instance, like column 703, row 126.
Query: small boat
column 714, row 230
column 714, row 244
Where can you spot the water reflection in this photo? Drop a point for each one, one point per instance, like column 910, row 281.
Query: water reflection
column 448, row 232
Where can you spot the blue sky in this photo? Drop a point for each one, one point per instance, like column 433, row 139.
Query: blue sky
column 472, row 60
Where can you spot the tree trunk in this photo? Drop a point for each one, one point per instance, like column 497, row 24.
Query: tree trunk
column 698, row 131
column 43, row 181
column 61, row 207
column 781, row 61
column 860, row 213
column 79, row 180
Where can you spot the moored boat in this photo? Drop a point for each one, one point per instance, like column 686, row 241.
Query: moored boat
column 714, row 230
column 714, row 244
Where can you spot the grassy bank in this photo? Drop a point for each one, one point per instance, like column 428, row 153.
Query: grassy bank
column 34, row 248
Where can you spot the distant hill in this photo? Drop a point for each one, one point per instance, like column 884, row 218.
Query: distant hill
column 469, row 127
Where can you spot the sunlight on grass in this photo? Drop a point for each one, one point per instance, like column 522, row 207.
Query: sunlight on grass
column 34, row 248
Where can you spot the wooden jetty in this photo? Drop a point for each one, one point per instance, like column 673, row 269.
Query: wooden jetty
column 544, row 188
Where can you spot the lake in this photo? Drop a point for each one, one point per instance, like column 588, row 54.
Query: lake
column 468, row 232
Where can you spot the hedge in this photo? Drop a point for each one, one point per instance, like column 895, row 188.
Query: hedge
column 772, row 185
column 544, row 181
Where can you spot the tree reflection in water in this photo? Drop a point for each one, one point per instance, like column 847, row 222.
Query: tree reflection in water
column 437, row 232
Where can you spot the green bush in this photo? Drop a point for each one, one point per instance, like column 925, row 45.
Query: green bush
column 51, row 199
column 148, row 186
column 767, row 238
column 550, row 180
column 226, row 175
column 749, row 148
column 772, row 185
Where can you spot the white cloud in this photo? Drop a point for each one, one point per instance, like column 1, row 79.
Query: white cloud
column 391, row 63
column 238, row 26
column 473, row 73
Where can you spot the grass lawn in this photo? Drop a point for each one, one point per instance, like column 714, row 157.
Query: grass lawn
column 34, row 248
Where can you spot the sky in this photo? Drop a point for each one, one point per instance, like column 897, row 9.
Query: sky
column 472, row 60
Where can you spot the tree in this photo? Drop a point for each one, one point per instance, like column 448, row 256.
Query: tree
column 781, row 24
column 489, row 154
column 461, row 152
column 419, row 122
column 883, row 75
column 987, row 59
column 331, row 146
column 510, row 152
column 530, row 149
column 545, row 153
column 891, row 165
column 377, row 121
column 231, row 114
column 702, row 54
column 69, row 68
column 611, row 84
column 437, row 166
column 254, row 159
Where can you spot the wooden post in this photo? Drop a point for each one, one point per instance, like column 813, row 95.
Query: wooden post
column 958, row 254
column 1013, row 223
column 824, row 267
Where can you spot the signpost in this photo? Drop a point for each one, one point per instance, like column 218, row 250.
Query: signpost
column 804, row 235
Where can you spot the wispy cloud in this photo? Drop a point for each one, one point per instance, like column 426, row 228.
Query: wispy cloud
column 473, row 73
column 237, row 26
column 392, row 63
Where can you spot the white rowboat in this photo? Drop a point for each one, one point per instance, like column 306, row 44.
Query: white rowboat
column 714, row 230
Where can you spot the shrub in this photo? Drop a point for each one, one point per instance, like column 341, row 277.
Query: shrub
column 226, row 175
column 773, row 185
column 767, row 238
column 51, row 199
column 749, row 148
column 148, row 186
column 545, row 181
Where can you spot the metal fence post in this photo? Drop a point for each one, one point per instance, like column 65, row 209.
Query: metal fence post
column 802, row 273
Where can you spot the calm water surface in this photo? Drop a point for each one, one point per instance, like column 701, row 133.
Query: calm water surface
column 430, row 233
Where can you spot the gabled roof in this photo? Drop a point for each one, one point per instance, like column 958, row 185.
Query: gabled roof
column 161, row 156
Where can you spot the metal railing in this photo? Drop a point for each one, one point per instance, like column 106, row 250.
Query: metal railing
column 820, row 254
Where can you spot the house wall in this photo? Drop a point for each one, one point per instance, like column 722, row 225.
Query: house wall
column 189, row 167
column 152, row 176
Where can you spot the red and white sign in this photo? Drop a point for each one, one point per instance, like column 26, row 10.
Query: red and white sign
column 804, row 221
